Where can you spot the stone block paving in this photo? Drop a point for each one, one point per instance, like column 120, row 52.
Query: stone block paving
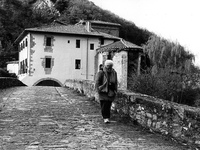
column 56, row 118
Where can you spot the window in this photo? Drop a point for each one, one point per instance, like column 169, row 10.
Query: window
column 91, row 46
column 77, row 43
column 26, row 42
column 20, row 46
column 23, row 44
column 102, row 41
column 77, row 64
column 21, row 67
column 48, row 41
column 47, row 62
column 26, row 65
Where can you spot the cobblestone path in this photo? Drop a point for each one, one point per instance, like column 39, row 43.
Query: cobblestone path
column 49, row 118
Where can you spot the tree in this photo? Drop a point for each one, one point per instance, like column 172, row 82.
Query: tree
column 172, row 74
column 62, row 5
column 21, row 16
column 165, row 54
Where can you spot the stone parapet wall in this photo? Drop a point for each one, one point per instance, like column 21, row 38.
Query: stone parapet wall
column 6, row 82
column 83, row 86
column 178, row 121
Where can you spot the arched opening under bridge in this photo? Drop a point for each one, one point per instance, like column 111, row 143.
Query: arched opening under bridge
column 48, row 82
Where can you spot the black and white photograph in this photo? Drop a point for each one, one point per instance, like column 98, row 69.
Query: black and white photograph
column 99, row 75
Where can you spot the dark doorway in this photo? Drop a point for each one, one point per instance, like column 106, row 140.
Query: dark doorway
column 48, row 83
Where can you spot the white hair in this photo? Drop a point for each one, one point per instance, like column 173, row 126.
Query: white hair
column 108, row 62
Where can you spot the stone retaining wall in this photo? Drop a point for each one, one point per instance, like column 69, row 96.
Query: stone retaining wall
column 178, row 121
column 6, row 82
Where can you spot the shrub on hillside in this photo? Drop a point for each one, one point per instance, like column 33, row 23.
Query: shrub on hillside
column 172, row 86
column 6, row 82
column 5, row 73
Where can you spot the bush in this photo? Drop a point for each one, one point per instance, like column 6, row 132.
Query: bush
column 172, row 86
column 5, row 73
column 6, row 82
column 13, row 75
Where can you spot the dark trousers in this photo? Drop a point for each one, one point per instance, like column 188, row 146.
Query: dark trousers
column 105, row 108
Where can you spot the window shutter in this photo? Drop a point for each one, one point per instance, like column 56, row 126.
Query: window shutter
column 52, row 62
column 43, row 62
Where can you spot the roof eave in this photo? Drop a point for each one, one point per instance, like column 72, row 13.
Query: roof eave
column 118, row 49
column 113, row 38
column 20, row 37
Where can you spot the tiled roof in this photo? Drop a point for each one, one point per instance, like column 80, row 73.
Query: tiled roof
column 69, row 29
column 108, row 36
column 66, row 29
column 118, row 46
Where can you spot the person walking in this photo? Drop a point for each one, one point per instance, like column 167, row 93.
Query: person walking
column 106, row 87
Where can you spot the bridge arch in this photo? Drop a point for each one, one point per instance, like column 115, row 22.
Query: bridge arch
column 48, row 82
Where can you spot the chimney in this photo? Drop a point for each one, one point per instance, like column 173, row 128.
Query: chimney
column 88, row 26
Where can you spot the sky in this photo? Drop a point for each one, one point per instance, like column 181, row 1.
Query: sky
column 175, row 20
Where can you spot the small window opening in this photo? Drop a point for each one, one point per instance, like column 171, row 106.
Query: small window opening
column 26, row 65
column 23, row 44
column 48, row 41
column 91, row 46
column 77, row 43
column 26, row 42
column 77, row 64
column 102, row 41
column 20, row 46
column 47, row 62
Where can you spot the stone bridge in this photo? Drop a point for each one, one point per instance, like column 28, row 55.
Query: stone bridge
column 59, row 118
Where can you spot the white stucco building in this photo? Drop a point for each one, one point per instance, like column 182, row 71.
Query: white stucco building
column 13, row 67
column 58, row 52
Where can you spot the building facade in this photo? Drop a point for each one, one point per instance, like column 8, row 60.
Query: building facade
column 59, row 52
